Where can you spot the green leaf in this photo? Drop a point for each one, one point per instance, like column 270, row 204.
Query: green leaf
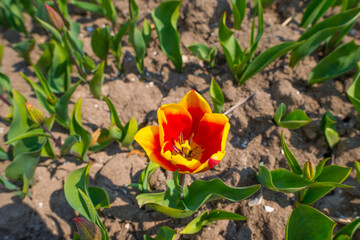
column 54, row 32
column 61, row 108
column 267, row 57
column 282, row 180
column 197, row 194
column 25, row 163
column 353, row 93
column 69, row 142
column 207, row 218
column 290, row 158
column 87, row 230
column 1, row 53
column 328, row 125
column 78, row 180
column 146, row 32
column 238, row 9
column 130, row 130
column 28, row 135
column 114, row 117
column 24, row 49
column 293, row 120
column 320, row 167
column 8, row 184
column 144, row 178
column 87, row 6
column 99, row 197
column 102, row 141
column 216, row 96
column 110, row 11
column 357, row 168
column 338, row 62
column 165, row 233
column 314, row 225
column 230, row 45
column 5, row 83
column 3, row 155
column 165, row 18
column 115, row 44
column 348, row 230
column 201, row 51
column 314, row 11
column 97, row 81
column 76, row 128
column 100, row 42
column 333, row 174
column 137, row 41
column 20, row 123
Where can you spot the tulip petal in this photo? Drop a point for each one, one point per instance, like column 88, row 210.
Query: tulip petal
column 173, row 119
column 196, row 106
column 211, row 162
column 212, row 134
column 148, row 139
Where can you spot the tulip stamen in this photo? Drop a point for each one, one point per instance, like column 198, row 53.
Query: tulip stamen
column 181, row 138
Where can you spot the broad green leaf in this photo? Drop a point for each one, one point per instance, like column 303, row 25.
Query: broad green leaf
column 88, row 6
column 207, row 218
column 216, row 96
column 320, row 167
column 87, row 230
column 76, row 128
column 99, row 197
column 201, row 51
column 8, row 184
column 143, row 184
column 134, row 9
column 114, row 117
column 54, row 32
column 314, row 11
column 265, row 58
column 229, row 44
column 338, row 62
column 282, row 180
column 5, row 83
column 238, row 10
column 348, row 230
column 165, row 233
column 97, row 81
column 24, row 49
column 314, row 225
column 357, row 169
column 20, row 123
column 330, row 184
column 78, row 180
column 89, row 206
column 146, row 32
column 3, row 155
column 137, row 41
column 25, row 163
column 28, row 135
column 100, row 42
column 165, row 18
column 109, row 10
column 61, row 108
column 69, row 142
column 74, row 42
column 293, row 120
column 332, row 173
column 290, row 158
column 130, row 130
column 332, row 137
column 353, row 93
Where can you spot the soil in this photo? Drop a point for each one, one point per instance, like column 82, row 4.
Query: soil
column 253, row 137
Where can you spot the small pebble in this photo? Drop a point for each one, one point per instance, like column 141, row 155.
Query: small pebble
column 147, row 74
column 127, row 226
column 255, row 202
column 2, row 130
column 155, row 53
column 352, row 32
column 89, row 29
column 41, row 204
column 132, row 79
column 244, row 144
column 297, row 92
column 282, row 152
column 269, row 209
column 96, row 105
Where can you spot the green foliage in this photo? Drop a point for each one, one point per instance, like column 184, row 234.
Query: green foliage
column 143, row 184
column 77, row 194
column 97, row 81
column 204, row 53
column 5, row 86
column 314, row 224
column 1, row 53
column 290, row 158
column 328, row 126
column 357, row 169
column 24, row 49
column 314, row 11
column 330, row 27
column 76, row 128
column 197, row 194
column 353, row 93
column 238, row 10
column 292, row 120
column 115, row 43
column 165, row 233
column 206, row 218
column 348, row 231
column 165, row 18
column 338, row 62
column 87, row 230
column 100, row 42
column 216, row 96
column 137, row 41
column 11, row 16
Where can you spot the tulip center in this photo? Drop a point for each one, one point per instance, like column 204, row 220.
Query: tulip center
column 186, row 148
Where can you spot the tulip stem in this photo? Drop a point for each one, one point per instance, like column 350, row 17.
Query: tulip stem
column 61, row 15
column 182, row 184
column 57, row 142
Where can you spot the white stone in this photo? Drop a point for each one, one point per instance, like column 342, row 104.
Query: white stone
column 269, row 209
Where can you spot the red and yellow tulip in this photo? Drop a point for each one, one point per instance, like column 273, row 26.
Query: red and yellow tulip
column 189, row 137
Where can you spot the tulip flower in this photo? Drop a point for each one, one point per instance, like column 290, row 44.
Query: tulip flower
column 189, row 138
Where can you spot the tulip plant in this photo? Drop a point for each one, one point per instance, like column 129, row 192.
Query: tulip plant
column 189, row 139
column 292, row 120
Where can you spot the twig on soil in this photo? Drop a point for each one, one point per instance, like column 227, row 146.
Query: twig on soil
column 240, row 103
column 286, row 22
column 5, row 100
column 344, row 221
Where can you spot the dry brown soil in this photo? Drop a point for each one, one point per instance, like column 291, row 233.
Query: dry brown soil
column 253, row 137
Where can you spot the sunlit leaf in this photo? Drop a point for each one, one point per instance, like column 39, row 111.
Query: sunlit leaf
column 97, row 81
column 238, row 9
column 348, row 230
column 292, row 120
column 24, row 49
column 353, row 93
column 290, row 158
column 216, row 96
column 100, row 42
column 99, row 197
